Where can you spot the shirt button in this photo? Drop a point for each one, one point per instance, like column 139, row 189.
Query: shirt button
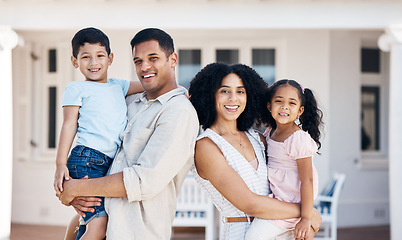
column 87, row 163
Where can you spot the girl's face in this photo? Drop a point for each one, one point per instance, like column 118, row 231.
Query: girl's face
column 285, row 105
column 231, row 98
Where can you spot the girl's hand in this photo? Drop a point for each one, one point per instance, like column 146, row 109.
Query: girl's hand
column 60, row 175
column 302, row 229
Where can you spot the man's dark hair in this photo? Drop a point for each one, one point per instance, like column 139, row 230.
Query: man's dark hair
column 89, row 35
column 207, row 82
column 165, row 40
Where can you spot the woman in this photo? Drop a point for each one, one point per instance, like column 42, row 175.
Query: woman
column 230, row 156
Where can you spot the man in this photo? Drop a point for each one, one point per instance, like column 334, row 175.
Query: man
column 157, row 150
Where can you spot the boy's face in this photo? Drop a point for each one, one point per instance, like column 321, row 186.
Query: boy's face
column 154, row 69
column 93, row 61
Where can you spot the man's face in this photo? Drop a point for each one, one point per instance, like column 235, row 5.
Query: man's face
column 154, row 69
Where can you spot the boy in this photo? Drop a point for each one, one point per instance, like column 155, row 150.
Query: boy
column 95, row 110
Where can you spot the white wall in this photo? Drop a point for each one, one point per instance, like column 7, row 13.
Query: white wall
column 364, row 199
column 34, row 200
column 308, row 63
column 202, row 14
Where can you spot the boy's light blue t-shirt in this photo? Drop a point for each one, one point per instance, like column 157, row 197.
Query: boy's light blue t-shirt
column 102, row 114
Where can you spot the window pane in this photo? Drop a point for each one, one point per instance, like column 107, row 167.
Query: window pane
column 52, row 118
column 370, row 118
column 189, row 66
column 370, row 62
column 228, row 56
column 52, row 60
column 264, row 64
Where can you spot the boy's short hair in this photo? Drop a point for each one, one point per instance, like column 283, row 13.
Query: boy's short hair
column 89, row 35
column 165, row 40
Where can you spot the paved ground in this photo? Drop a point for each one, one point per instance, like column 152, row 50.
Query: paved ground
column 42, row 232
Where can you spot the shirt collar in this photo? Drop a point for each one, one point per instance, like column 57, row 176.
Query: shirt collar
column 163, row 98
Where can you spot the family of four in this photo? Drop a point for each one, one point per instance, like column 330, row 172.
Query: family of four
column 136, row 142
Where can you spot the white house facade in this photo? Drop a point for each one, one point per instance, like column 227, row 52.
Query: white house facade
column 347, row 52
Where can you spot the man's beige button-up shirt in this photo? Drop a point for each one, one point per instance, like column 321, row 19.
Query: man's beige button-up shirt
column 155, row 156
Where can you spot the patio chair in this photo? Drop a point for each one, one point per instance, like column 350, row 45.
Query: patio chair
column 195, row 208
column 327, row 205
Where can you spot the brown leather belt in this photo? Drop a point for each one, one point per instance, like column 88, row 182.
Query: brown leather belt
column 239, row 219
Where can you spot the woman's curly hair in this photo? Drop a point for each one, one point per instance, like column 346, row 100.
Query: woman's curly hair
column 207, row 82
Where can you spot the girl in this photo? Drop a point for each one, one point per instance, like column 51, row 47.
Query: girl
column 291, row 147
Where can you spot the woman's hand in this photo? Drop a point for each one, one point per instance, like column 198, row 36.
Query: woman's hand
column 316, row 220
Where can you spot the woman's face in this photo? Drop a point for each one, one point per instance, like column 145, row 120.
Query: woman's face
column 231, row 98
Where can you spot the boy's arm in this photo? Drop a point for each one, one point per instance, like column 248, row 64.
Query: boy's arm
column 67, row 134
column 135, row 87
column 305, row 170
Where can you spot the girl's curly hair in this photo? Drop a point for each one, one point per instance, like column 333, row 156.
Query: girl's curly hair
column 207, row 82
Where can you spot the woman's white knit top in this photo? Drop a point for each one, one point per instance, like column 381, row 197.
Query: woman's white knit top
column 256, row 180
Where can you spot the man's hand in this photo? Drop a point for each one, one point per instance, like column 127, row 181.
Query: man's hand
column 66, row 197
column 85, row 204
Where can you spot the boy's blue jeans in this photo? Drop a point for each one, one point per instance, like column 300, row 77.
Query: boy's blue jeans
column 84, row 161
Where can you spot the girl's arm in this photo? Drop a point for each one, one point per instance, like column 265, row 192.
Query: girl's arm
column 67, row 134
column 212, row 165
column 305, row 169
column 135, row 87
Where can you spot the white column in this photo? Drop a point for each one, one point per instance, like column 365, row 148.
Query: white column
column 8, row 40
column 392, row 41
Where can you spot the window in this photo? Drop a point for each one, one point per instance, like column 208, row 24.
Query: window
column 228, row 56
column 370, row 118
column 264, row 64
column 370, row 62
column 51, row 72
column 374, row 107
column 52, row 117
column 189, row 66
column 52, row 60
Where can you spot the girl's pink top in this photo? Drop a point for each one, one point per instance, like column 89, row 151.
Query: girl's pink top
column 283, row 175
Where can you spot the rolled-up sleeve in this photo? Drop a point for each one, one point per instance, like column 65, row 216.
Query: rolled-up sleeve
column 169, row 149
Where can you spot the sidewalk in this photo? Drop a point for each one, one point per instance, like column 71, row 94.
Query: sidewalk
column 43, row 232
